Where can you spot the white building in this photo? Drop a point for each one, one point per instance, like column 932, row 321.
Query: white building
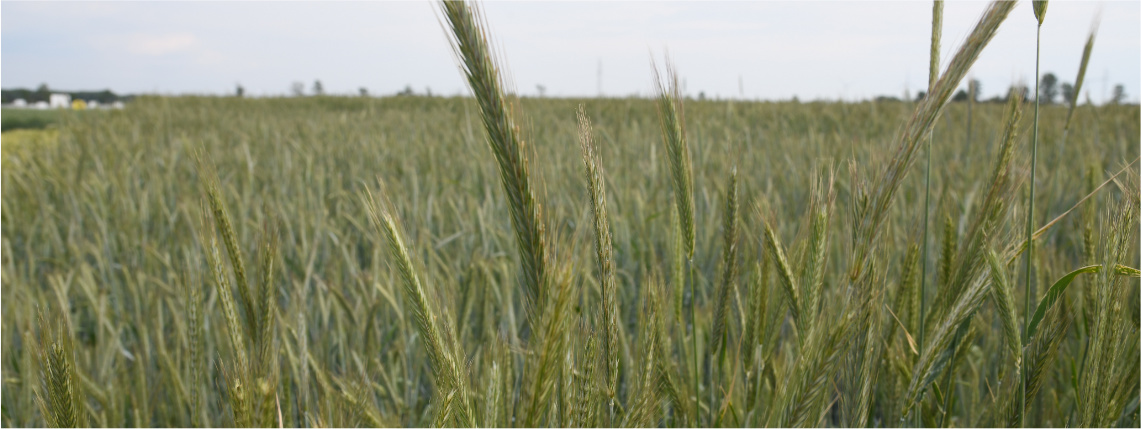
column 60, row 101
column 19, row 102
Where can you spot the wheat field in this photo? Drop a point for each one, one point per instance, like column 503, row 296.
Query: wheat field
column 491, row 260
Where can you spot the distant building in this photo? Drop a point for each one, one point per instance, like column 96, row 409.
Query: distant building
column 117, row 105
column 93, row 104
column 41, row 105
column 59, row 101
column 19, row 102
column 78, row 105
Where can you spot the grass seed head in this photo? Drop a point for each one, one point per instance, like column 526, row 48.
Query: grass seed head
column 1040, row 10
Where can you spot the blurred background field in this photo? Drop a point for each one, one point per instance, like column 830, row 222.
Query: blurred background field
column 101, row 214
column 25, row 119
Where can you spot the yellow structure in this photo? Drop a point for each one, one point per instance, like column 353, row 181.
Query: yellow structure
column 78, row 105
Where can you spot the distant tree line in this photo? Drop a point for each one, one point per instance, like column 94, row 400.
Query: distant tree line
column 1048, row 91
column 42, row 93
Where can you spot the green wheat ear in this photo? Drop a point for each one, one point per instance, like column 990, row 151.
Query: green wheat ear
column 879, row 200
column 1002, row 292
column 728, row 262
column 225, row 227
column 447, row 369
column 671, row 115
column 470, row 44
column 671, row 112
column 59, row 400
column 194, row 314
column 252, row 378
column 604, row 251
column 1086, row 51
column 1040, row 10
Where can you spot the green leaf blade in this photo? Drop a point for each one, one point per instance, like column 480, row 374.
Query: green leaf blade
column 1054, row 293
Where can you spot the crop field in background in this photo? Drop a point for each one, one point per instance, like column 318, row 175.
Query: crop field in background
column 335, row 261
column 17, row 119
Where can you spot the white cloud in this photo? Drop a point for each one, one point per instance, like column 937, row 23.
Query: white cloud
column 161, row 45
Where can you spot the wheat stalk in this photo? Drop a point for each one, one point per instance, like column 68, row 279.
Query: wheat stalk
column 470, row 44
column 799, row 400
column 235, row 380
column 968, row 285
column 542, row 362
column 728, row 263
column 671, row 115
column 1103, row 366
column 446, row 368
column 1086, row 51
column 604, row 251
column 729, row 252
column 230, row 239
column 933, row 75
column 1040, row 14
column 194, row 310
column 868, row 225
column 788, row 280
column 1003, row 296
column 820, row 216
column 59, row 400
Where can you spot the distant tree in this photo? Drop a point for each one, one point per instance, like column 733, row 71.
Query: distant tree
column 42, row 93
column 1018, row 89
column 976, row 89
column 960, row 96
column 407, row 91
column 920, row 96
column 364, row 92
column 1118, row 94
column 428, row 91
column 1067, row 93
column 106, row 96
column 542, row 90
column 298, row 89
column 240, row 92
column 886, row 98
column 1025, row 93
column 1048, row 88
column 318, row 89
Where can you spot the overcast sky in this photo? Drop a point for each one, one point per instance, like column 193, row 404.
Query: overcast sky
column 768, row 50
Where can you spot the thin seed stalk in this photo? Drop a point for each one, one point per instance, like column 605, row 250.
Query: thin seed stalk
column 671, row 116
column 971, row 88
column 923, row 266
column 1030, row 214
column 933, row 76
column 689, row 278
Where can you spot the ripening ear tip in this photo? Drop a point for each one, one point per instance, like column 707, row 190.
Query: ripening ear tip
column 1040, row 10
